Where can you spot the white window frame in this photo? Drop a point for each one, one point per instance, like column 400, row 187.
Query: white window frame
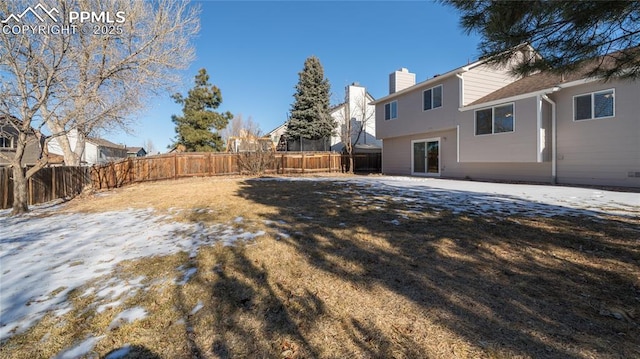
column 391, row 104
column 11, row 143
column 593, row 104
column 493, row 119
column 427, row 173
column 441, row 98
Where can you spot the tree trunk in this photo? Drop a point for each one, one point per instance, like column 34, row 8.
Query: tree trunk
column 20, row 198
column 351, row 169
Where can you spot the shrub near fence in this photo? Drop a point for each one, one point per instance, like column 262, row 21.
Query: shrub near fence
column 198, row 164
column 46, row 185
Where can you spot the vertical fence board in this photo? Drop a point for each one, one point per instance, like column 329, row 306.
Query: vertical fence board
column 179, row 165
column 46, row 185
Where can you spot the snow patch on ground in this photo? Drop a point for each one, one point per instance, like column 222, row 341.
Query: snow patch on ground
column 187, row 274
column 44, row 255
column 197, row 308
column 128, row 316
column 79, row 349
column 119, row 353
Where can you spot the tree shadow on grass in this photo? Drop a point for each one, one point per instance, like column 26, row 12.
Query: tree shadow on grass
column 244, row 315
column 515, row 285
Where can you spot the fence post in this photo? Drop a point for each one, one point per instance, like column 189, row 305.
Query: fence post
column 281, row 164
column 303, row 160
column 30, row 182
column 210, row 164
column 175, row 165
column 54, row 193
column 6, row 188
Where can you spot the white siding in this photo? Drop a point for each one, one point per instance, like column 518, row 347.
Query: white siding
column 361, row 111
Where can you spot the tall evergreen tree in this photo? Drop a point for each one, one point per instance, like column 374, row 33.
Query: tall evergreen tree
column 197, row 129
column 310, row 118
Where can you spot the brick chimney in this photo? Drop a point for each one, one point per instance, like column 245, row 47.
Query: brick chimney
column 400, row 80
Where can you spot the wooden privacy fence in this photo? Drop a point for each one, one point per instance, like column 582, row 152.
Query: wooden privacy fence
column 364, row 162
column 198, row 164
column 46, row 185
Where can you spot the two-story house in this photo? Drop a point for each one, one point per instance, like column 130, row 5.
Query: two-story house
column 479, row 122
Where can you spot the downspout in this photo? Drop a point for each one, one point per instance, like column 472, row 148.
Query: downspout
column 554, row 142
column 461, row 97
column 461, row 89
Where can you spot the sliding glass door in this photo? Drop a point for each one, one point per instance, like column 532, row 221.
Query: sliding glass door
column 426, row 157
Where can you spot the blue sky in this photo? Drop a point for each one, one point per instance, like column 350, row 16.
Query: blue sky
column 253, row 52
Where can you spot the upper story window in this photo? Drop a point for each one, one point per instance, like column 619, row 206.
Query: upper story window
column 432, row 98
column 6, row 142
column 496, row 119
column 391, row 110
column 594, row 105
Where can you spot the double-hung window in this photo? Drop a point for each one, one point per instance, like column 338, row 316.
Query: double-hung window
column 391, row 110
column 432, row 98
column 594, row 105
column 497, row 119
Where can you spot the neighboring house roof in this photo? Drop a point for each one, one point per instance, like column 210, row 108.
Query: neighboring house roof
column 178, row 148
column 135, row 149
column 284, row 125
column 103, row 143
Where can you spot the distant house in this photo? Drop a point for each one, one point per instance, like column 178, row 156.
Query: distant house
column 277, row 137
column 96, row 150
column 179, row 148
column 249, row 143
column 9, row 142
column 136, row 152
column 478, row 121
column 356, row 108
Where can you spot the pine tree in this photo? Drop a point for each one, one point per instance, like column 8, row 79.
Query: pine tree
column 310, row 118
column 197, row 129
column 564, row 33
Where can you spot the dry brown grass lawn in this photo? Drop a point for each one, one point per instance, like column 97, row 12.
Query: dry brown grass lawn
column 332, row 278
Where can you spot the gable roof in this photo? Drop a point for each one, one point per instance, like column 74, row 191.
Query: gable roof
column 103, row 143
column 135, row 149
column 440, row 77
column 544, row 82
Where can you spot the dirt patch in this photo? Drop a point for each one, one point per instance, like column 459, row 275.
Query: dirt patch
column 340, row 274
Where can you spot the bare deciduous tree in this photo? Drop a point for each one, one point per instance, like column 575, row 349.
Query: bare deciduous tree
column 241, row 127
column 149, row 147
column 88, row 79
column 354, row 118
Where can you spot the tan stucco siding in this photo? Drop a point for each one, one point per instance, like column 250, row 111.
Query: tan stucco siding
column 505, row 171
column 521, row 145
column 411, row 117
column 396, row 160
column 396, row 152
column 600, row 151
